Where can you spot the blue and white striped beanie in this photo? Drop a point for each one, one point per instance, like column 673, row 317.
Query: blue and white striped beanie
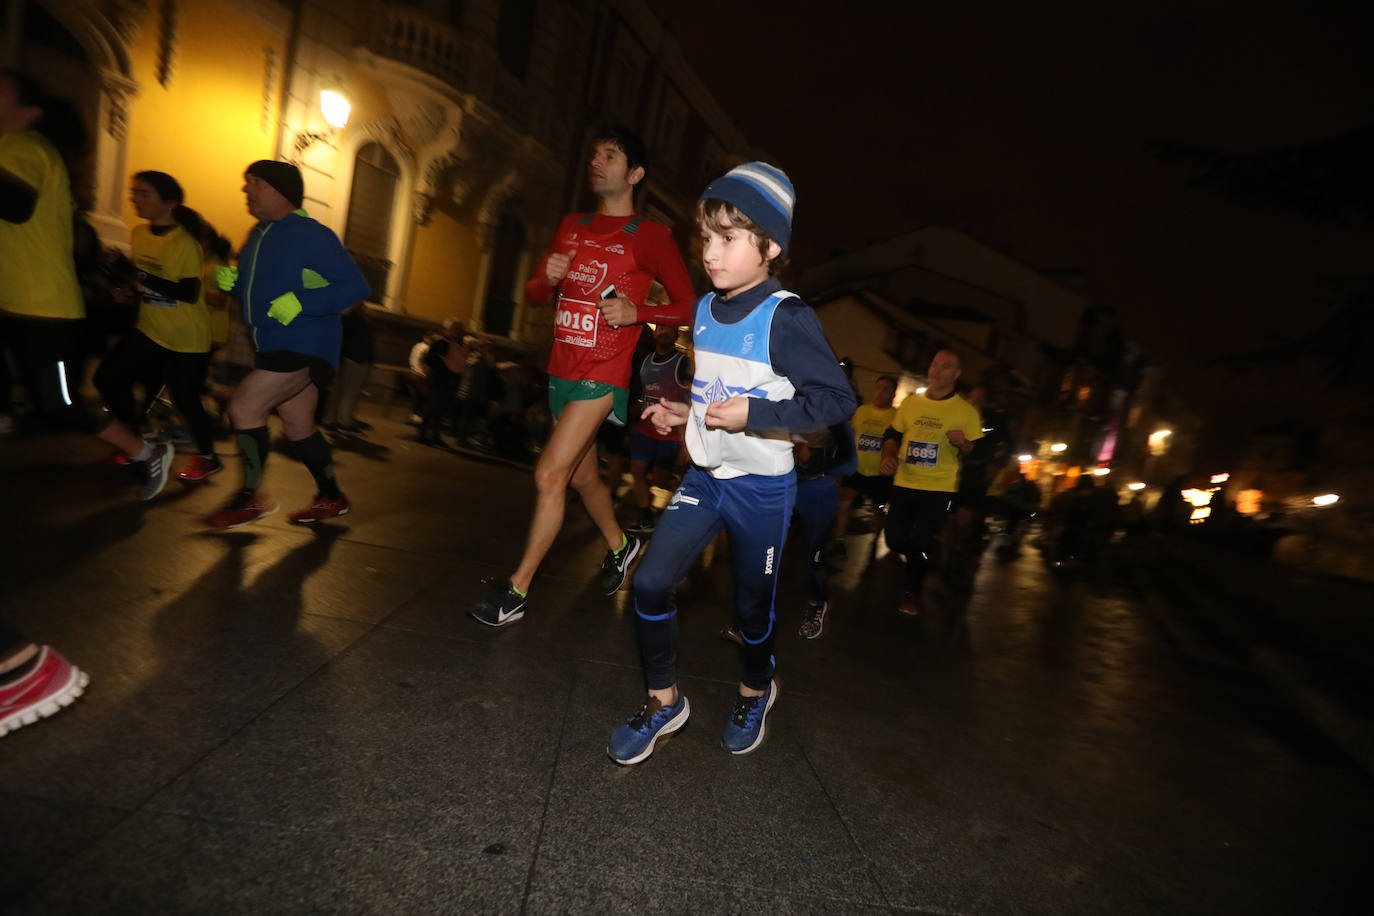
column 761, row 192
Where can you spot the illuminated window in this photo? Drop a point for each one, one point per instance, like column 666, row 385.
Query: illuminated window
column 367, row 233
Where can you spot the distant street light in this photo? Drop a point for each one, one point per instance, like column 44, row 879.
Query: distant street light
column 1058, row 447
column 1135, row 486
column 1024, row 458
column 1326, row 499
column 1101, row 472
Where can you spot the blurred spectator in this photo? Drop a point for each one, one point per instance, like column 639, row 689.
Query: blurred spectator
column 474, row 391
column 355, row 360
column 445, row 362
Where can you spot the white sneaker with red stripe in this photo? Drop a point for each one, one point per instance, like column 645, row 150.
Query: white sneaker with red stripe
column 51, row 684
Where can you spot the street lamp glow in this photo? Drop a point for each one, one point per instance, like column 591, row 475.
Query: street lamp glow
column 1058, row 447
column 1101, row 472
column 1135, row 486
column 335, row 109
column 1024, row 458
column 1326, row 499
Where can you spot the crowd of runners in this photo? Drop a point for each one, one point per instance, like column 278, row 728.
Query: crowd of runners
column 762, row 410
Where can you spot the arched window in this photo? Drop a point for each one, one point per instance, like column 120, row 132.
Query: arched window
column 499, row 309
column 367, row 235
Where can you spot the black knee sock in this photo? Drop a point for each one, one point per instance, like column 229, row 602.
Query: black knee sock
column 255, row 444
column 314, row 453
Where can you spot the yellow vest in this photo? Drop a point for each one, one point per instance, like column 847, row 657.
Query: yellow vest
column 927, row 460
column 174, row 255
column 37, row 267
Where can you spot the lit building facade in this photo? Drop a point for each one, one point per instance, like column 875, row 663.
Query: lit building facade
column 467, row 124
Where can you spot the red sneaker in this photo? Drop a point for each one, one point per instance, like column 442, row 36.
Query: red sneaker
column 199, row 468
column 51, row 684
column 242, row 509
column 322, row 508
column 908, row 607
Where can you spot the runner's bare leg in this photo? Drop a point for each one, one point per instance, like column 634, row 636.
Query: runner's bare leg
column 572, row 442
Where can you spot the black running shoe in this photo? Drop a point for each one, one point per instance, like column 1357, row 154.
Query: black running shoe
column 501, row 607
column 648, row 521
column 616, row 563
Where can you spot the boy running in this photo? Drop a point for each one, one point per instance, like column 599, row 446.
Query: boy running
column 763, row 371
column 601, row 266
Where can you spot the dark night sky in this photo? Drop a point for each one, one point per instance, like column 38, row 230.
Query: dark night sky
column 1028, row 129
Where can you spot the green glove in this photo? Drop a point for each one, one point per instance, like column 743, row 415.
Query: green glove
column 226, row 277
column 285, row 308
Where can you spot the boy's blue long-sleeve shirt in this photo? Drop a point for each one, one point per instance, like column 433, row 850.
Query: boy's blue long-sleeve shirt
column 297, row 255
column 797, row 349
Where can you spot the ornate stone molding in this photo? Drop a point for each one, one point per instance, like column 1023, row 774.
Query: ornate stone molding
column 117, row 90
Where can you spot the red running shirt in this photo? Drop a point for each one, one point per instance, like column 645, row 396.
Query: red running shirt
column 626, row 253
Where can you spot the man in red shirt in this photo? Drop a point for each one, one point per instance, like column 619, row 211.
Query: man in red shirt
column 597, row 271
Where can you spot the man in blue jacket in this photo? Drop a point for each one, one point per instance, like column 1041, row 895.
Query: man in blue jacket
column 294, row 279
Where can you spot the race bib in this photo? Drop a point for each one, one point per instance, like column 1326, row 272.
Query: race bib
column 922, row 454
column 868, row 442
column 576, row 323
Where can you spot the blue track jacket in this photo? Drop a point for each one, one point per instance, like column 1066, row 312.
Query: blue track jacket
column 297, row 255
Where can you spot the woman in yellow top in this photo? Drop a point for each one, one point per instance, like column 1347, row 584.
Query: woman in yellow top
column 40, row 301
column 170, row 342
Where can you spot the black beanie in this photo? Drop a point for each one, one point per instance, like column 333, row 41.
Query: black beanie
column 284, row 177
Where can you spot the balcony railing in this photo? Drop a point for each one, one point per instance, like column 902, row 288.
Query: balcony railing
column 412, row 38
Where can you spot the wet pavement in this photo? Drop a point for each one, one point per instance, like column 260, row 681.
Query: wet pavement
column 282, row 720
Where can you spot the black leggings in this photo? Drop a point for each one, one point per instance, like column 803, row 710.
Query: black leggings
column 138, row 359
column 46, row 353
column 915, row 519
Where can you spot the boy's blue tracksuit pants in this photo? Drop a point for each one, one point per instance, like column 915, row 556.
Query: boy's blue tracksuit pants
column 754, row 511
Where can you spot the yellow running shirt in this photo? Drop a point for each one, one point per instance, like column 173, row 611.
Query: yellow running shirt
column 37, row 268
column 927, row 460
column 869, row 425
column 180, row 326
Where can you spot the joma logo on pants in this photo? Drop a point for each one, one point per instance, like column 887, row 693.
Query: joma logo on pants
column 768, row 562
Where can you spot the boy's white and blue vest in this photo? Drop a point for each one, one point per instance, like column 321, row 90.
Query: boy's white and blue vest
column 732, row 361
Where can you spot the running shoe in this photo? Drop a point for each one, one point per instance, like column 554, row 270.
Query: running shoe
column 199, row 468
column 646, row 524
column 616, row 563
column 322, row 508
column 245, row 507
column 744, row 729
column 118, row 459
column 732, row 634
column 51, row 684
column 908, row 607
column 635, row 740
column 501, row 606
column 813, row 624
column 155, row 471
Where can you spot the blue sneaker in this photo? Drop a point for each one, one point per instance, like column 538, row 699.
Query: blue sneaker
column 635, row 740
column 744, row 730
